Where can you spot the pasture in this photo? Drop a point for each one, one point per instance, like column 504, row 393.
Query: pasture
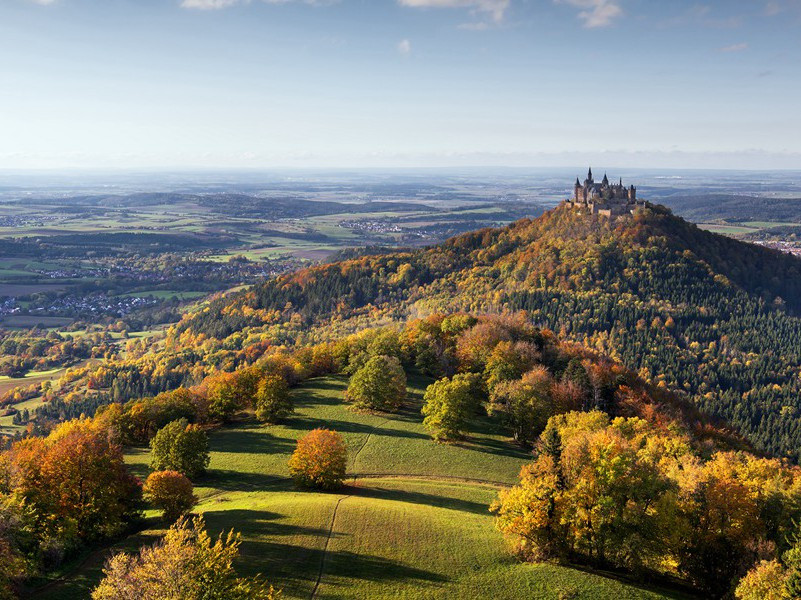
column 412, row 520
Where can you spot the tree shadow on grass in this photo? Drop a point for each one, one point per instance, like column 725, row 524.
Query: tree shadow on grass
column 496, row 447
column 295, row 567
column 419, row 498
column 238, row 481
column 260, row 523
column 307, row 424
column 246, row 441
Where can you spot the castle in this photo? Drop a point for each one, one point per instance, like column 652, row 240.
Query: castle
column 604, row 198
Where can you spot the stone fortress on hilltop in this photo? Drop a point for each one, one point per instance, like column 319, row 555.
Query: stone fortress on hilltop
column 604, row 198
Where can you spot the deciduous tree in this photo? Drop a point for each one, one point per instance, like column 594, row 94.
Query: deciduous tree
column 179, row 446
column 273, row 400
column 379, row 385
column 171, row 492
column 187, row 565
column 320, row 460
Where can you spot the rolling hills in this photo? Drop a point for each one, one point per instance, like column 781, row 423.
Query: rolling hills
column 690, row 310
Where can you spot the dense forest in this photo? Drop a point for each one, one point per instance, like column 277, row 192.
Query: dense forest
column 686, row 308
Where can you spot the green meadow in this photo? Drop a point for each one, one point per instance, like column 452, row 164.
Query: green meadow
column 412, row 520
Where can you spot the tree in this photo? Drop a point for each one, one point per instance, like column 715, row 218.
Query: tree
column 319, row 460
column 186, row 564
column 228, row 393
column 449, row 403
column 171, row 492
column 16, row 543
column 76, row 482
column 766, row 581
column 525, row 405
column 273, row 400
column 179, row 446
column 379, row 385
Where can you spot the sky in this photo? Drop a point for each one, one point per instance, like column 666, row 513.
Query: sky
column 253, row 84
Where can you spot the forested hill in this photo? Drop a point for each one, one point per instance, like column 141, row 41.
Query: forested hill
column 689, row 309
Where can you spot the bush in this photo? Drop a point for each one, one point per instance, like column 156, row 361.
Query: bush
column 379, row 385
column 319, row 460
column 180, row 447
column 171, row 492
column 273, row 401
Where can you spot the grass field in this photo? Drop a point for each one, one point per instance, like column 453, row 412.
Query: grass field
column 411, row 522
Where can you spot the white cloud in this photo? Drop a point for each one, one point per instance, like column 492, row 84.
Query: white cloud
column 596, row 13
column 217, row 4
column 405, row 47
column 735, row 47
column 495, row 9
column 208, row 4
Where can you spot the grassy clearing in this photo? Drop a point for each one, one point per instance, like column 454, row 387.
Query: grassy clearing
column 411, row 522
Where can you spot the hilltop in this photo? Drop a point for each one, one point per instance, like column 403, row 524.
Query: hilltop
column 713, row 317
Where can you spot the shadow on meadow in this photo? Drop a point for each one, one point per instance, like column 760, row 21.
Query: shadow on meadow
column 242, row 439
column 411, row 497
column 238, row 481
column 253, row 522
column 295, row 567
column 381, row 429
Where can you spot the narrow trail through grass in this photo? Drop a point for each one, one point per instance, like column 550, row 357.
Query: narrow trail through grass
column 325, row 548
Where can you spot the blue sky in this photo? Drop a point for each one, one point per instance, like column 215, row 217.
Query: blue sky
column 349, row 83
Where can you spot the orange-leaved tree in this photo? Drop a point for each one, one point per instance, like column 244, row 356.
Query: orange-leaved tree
column 171, row 492
column 319, row 460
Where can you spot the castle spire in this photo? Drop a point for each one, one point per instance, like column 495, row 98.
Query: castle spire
column 578, row 183
column 589, row 174
column 606, row 180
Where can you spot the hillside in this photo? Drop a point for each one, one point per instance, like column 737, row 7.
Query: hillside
column 412, row 521
column 688, row 309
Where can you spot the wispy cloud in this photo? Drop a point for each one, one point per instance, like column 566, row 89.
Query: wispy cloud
column 596, row 13
column 208, row 4
column 405, row 47
column 218, row 4
column 735, row 47
column 777, row 7
column 494, row 9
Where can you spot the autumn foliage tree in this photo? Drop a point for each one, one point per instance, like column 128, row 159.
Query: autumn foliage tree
column 180, row 446
column 626, row 493
column 171, row 492
column 76, row 482
column 187, row 564
column 320, row 460
column 228, row 393
column 379, row 385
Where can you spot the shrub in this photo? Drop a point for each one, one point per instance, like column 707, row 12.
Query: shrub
column 180, row 447
column 319, row 460
column 171, row 492
column 379, row 385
